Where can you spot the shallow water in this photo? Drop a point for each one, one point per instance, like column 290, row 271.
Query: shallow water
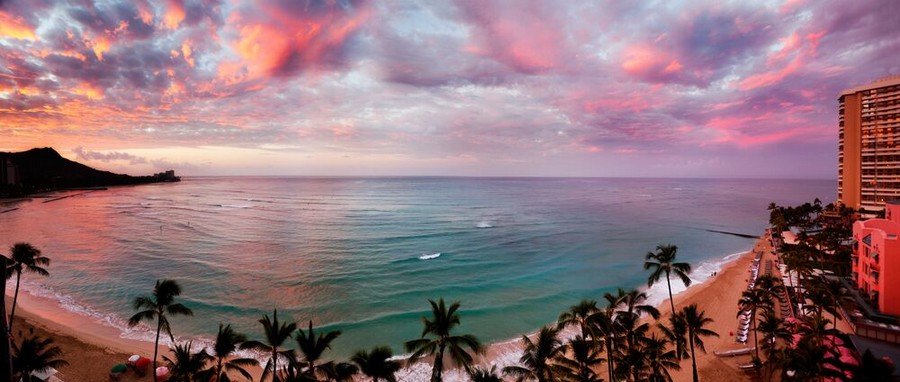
column 364, row 254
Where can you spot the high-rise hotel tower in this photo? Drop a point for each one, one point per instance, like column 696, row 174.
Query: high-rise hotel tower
column 869, row 144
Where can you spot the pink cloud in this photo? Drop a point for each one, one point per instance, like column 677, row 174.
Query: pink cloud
column 528, row 38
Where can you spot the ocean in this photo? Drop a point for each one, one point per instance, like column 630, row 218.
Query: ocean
column 363, row 255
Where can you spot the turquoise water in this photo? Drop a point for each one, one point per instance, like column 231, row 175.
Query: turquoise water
column 359, row 254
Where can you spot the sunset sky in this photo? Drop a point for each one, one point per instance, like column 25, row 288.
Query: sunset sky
column 514, row 88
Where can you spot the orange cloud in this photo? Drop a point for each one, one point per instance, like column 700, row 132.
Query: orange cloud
column 174, row 14
column 187, row 53
column 15, row 27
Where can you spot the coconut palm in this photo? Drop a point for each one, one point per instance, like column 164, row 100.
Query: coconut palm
column 480, row 374
column 224, row 361
column 538, row 357
column 663, row 262
column 628, row 318
column 377, row 364
column 676, row 333
column 604, row 323
column 580, row 358
column 443, row 320
column 696, row 321
column 338, row 371
column 26, row 258
column 754, row 300
column 660, row 360
column 185, row 364
column 35, row 354
column 773, row 330
column 810, row 361
column 313, row 347
column 579, row 315
column 159, row 306
column 276, row 333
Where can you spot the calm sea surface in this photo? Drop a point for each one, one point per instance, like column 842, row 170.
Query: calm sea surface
column 361, row 254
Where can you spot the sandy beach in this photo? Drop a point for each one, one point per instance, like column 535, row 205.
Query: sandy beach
column 91, row 348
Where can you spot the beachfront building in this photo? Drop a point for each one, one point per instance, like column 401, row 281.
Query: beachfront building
column 876, row 259
column 869, row 144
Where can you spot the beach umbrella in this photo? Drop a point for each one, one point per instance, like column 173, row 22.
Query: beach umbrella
column 134, row 358
column 162, row 371
column 118, row 368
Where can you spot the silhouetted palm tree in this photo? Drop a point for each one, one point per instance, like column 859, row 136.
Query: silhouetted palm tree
column 663, row 262
column 628, row 318
column 660, row 360
column 35, row 354
column 753, row 300
column 696, row 322
column 773, row 330
column 227, row 341
column 579, row 315
column 185, row 364
column 443, row 320
column 676, row 333
column 159, row 306
column 377, row 363
column 26, row 258
column 276, row 333
column 338, row 371
column 537, row 357
column 579, row 359
column 480, row 374
column 313, row 347
column 604, row 323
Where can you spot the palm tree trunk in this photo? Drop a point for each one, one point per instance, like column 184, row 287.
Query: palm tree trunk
column 755, row 334
column 12, row 314
column 671, row 301
column 438, row 365
column 274, row 364
column 156, row 347
column 693, row 358
column 610, row 362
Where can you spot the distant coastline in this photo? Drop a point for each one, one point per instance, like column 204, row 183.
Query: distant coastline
column 42, row 170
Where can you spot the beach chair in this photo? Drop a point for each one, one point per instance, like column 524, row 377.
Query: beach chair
column 44, row 376
column 115, row 373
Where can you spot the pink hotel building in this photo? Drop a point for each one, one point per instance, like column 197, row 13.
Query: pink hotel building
column 876, row 258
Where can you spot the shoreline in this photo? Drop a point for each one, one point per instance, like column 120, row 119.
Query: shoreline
column 99, row 345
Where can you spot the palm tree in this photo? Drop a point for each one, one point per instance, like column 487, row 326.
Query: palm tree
column 660, row 360
column 480, row 374
column 753, row 300
column 604, row 323
column 377, row 364
column 158, row 306
column 696, row 322
column 443, row 320
column 227, row 341
column 185, row 364
column 35, row 354
column 584, row 358
column 537, row 357
column 27, row 258
column 773, row 330
column 338, row 371
column 313, row 347
column 676, row 333
column 579, row 315
column 663, row 261
column 628, row 318
column 276, row 333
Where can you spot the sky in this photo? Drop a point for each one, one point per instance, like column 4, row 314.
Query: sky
column 448, row 88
